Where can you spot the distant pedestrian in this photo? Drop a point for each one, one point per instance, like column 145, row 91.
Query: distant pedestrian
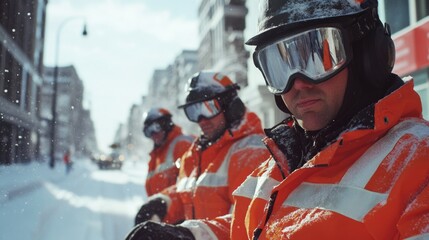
column 67, row 161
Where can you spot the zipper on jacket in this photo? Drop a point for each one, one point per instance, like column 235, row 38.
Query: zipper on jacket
column 258, row 231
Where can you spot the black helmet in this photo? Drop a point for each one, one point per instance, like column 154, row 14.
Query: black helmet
column 160, row 115
column 370, row 42
column 206, row 85
column 280, row 16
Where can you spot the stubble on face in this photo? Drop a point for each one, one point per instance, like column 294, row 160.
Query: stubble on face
column 316, row 105
column 213, row 126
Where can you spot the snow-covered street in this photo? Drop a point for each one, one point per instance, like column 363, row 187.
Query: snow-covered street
column 38, row 203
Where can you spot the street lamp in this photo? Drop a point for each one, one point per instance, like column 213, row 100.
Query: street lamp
column 55, row 85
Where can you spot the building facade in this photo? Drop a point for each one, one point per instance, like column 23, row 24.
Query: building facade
column 221, row 47
column 167, row 88
column 409, row 23
column 74, row 129
column 21, row 62
column 256, row 95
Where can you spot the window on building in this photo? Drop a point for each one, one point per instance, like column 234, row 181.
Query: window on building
column 422, row 9
column 397, row 14
column 421, row 81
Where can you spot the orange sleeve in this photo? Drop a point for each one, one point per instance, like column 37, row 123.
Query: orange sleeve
column 415, row 222
column 220, row 226
column 175, row 212
column 243, row 163
column 148, row 185
column 180, row 148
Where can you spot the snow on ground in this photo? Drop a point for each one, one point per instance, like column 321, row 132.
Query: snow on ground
column 39, row 203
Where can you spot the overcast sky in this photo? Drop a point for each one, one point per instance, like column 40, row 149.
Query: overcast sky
column 127, row 40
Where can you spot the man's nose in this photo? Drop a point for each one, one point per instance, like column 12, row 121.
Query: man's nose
column 302, row 84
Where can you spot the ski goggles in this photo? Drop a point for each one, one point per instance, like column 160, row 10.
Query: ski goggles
column 206, row 109
column 151, row 129
column 314, row 55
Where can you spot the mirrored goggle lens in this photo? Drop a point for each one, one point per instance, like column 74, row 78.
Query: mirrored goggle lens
column 206, row 109
column 316, row 54
column 151, row 129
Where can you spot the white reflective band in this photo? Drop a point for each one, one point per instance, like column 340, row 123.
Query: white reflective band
column 169, row 160
column 258, row 187
column 213, row 180
column 254, row 141
column 368, row 163
column 251, row 188
column 349, row 197
column 220, row 177
column 199, row 229
column 186, row 183
column 424, row 236
column 352, row 202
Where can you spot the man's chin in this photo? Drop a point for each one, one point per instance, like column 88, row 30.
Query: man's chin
column 311, row 123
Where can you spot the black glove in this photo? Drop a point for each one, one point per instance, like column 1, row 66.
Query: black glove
column 156, row 206
column 150, row 230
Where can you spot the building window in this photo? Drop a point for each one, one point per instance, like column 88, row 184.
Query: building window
column 421, row 81
column 422, row 9
column 397, row 14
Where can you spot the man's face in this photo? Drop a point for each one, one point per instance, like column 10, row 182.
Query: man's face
column 315, row 105
column 158, row 137
column 213, row 126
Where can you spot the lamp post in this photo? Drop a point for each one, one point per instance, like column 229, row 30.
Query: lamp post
column 55, row 86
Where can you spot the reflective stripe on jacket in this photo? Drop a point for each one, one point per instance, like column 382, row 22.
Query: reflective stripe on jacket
column 369, row 184
column 207, row 178
column 162, row 171
column 385, row 168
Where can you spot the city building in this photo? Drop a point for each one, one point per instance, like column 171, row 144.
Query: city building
column 167, row 90
column 409, row 23
column 172, row 82
column 74, row 129
column 256, row 95
column 185, row 65
column 21, row 62
column 221, row 45
column 133, row 144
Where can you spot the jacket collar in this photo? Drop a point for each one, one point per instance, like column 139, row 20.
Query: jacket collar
column 365, row 128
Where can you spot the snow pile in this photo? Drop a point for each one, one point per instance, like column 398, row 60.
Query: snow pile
column 37, row 202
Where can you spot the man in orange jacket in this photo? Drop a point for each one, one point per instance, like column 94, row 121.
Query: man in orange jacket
column 352, row 161
column 169, row 144
column 226, row 152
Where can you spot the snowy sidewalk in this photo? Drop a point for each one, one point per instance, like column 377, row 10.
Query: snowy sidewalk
column 20, row 179
column 86, row 204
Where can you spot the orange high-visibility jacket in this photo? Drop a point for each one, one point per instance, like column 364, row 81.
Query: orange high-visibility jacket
column 368, row 184
column 208, row 177
column 162, row 171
